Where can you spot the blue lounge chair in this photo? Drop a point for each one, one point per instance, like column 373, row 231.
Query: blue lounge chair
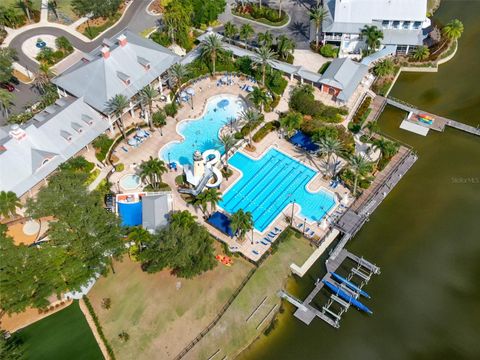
column 299, row 226
column 267, row 239
column 255, row 252
column 124, row 149
column 263, row 242
column 277, row 230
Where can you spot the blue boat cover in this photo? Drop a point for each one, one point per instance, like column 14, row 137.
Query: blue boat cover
column 130, row 213
column 221, row 222
column 304, row 141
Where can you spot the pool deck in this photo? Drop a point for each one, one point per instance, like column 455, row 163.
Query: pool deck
column 204, row 90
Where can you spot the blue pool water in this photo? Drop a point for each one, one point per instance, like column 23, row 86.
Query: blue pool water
column 202, row 133
column 269, row 184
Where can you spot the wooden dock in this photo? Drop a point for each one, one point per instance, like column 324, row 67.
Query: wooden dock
column 439, row 122
column 306, row 312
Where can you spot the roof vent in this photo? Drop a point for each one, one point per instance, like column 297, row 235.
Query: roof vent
column 52, row 109
column 122, row 40
column 17, row 133
column 105, row 52
column 77, row 127
column 66, row 135
column 87, row 119
column 144, row 62
column 124, row 77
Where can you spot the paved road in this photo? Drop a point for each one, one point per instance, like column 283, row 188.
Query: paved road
column 298, row 29
column 135, row 18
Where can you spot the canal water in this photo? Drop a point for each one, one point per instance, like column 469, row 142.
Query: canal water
column 425, row 236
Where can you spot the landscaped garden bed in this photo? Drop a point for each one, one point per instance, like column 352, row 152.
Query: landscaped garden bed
column 263, row 14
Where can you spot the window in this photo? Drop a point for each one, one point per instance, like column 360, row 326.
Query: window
column 406, row 24
column 396, row 24
column 385, row 24
column 417, row 24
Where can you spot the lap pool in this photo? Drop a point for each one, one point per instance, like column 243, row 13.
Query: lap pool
column 202, row 133
column 269, row 184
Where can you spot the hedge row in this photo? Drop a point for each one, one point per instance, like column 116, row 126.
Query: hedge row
column 360, row 115
column 99, row 327
column 265, row 129
column 248, row 128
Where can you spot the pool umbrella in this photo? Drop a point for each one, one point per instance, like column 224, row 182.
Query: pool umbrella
column 190, row 91
column 141, row 133
column 183, row 94
column 224, row 79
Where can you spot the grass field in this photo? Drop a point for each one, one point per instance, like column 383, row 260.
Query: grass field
column 63, row 335
column 160, row 312
column 233, row 333
column 65, row 12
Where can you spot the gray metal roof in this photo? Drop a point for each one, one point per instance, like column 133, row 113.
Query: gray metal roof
column 344, row 74
column 155, row 210
column 123, row 72
column 36, row 148
column 402, row 37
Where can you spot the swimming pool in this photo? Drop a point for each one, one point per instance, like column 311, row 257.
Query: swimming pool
column 202, row 133
column 130, row 182
column 269, row 184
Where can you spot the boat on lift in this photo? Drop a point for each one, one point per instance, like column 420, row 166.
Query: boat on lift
column 344, row 296
column 349, row 284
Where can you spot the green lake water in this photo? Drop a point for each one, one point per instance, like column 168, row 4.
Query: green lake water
column 425, row 236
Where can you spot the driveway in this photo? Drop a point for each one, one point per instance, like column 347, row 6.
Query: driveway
column 298, row 29
column 25, row 95
column 135, row 18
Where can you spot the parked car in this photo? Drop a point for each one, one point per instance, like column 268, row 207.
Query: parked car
column 7, row 86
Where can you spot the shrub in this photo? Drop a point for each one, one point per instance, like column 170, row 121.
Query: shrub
column 329, row 51
column 324, row 67
column 161, row 38
column 360, row 115
column 102, row 145
column 265, row 129
column 78, row 164
column 276, row 82
column 304, row 102
column 171, row 109
column 119, row 167
column 248, row 128
column 238, row 135
column 384, row 68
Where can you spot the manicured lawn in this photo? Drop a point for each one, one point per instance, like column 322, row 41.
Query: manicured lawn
column 233, row 333
column 63, row 335
column 161, row 312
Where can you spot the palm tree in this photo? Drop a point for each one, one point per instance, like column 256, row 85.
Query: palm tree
column 9, row 203
column 246, row 32
column 285, row 46
column 280, row 8
column 292, row 121
column 317, row 15
column 384, row 67
column 117, row 106
column 177, row 74
column 26, row 6
column 372, row 127
column 213, row 197
column 250, row 117
column 42, row 77
column 241, row 222
column 210, row 48
column 147, row 95
column 183, row 218
column 6, row 101
column 139, row 237
column 159, row 119
column 421, row 53
column 453, row 30
column 152, row 171
column 386, row 147
column 231, row 30
column 200, row 201
column 264, row 57
column 359, row 167
column 373, row 36
column 227, row 141
column 329, row 146
column 265, row 39
column 259, row 97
